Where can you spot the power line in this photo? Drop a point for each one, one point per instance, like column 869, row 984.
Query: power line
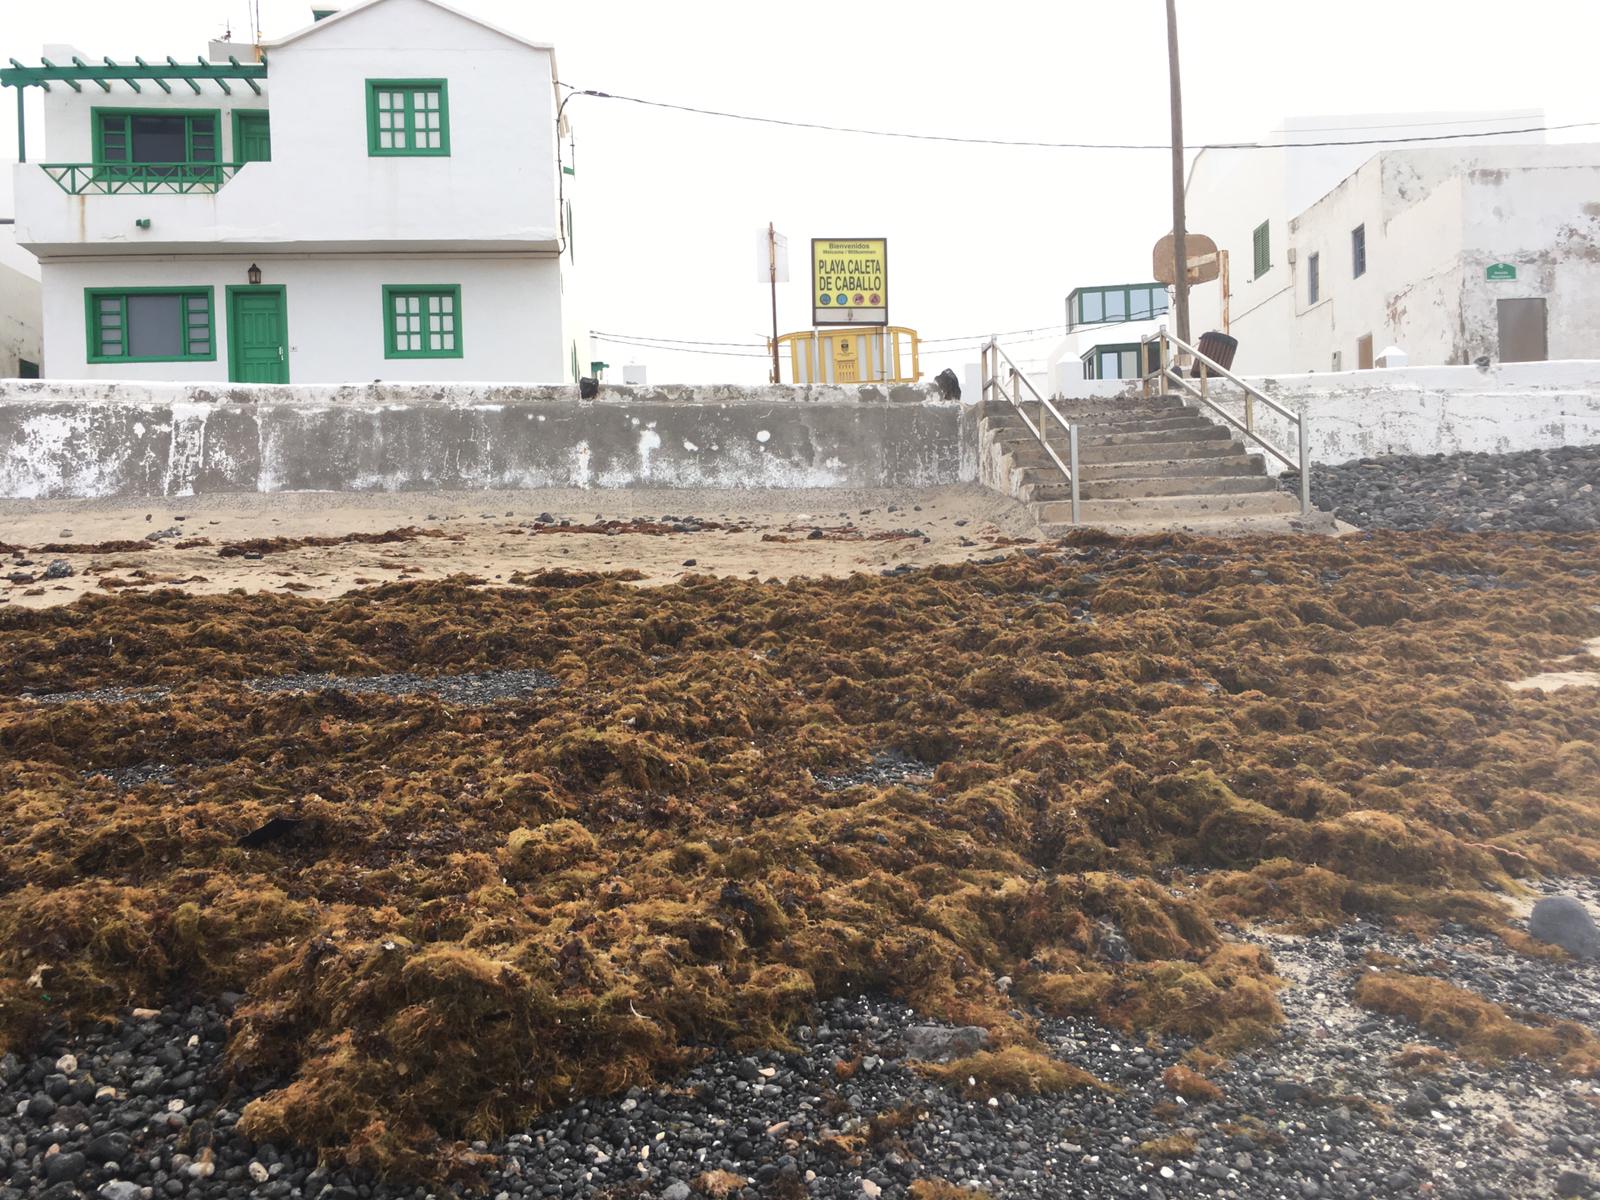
column 971, row 341
column 1404, row 124
column 651, row 337
column 643, row 345
column 1043, row 145
column 967, row 337
column 606, row 335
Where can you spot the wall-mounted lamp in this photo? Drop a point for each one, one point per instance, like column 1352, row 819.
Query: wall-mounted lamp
column 253, row 274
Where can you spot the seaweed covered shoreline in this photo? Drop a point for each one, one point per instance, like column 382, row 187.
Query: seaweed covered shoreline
column 474, row 915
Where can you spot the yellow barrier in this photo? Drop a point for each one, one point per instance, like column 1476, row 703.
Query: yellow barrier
column 869, row 354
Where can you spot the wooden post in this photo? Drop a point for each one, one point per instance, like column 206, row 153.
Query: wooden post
column 772, row 272
column 1180, row 240
column 1227, row 294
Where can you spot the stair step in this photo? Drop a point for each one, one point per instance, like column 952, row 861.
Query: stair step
column 1036, row 484
column 1142, row 447
column 1090, row 458
column 1237, row 525
column 1181, row 485
column 1122, row 452
column 1100, row 429
column 1221, row 464
column 1204, row 431
column 1168, row 508
column 1124, row 414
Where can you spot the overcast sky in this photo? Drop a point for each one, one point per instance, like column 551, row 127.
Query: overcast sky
column 980, row 238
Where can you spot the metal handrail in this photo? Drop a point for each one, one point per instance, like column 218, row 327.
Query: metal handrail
column 140, row 179
column 1164, row 374
column 992, row 354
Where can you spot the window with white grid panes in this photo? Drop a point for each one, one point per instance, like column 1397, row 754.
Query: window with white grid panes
column 422, row 322
column 408, row 117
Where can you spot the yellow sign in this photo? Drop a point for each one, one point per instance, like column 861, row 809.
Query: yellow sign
column 850, row 281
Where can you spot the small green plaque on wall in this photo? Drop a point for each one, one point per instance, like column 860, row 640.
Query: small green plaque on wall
column 1501, row 271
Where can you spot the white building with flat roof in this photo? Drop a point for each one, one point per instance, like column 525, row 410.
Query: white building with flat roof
column 1451, row 250
column 379, row 195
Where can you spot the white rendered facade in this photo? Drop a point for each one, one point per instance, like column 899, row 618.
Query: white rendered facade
column 1401, row 240
column 410, row 223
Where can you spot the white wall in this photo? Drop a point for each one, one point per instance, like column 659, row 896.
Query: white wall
column 1231, row 192
column 510, row 316
column 1435, row 220
column 21, row 333
column 1544, row 218
column 322, row 189
column 19, row 321
column 1435, row 410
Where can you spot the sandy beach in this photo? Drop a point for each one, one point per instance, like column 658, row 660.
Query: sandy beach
column 209, row 545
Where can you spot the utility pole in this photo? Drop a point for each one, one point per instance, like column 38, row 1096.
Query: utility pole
column 772, row 270
column 1180, row 247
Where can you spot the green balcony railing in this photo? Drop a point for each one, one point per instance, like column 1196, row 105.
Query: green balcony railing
column 139, row 179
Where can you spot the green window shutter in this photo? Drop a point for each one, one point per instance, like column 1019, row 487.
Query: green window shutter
column 176, row 324
column 202, row 139
column 422, row 321
column 1263, row 248
column 407, row 117
column 110, row 137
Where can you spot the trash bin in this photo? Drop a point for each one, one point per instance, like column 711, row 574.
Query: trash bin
column 1219, row 348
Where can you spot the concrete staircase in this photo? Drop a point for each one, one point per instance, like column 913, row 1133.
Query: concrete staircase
column 1144, row 465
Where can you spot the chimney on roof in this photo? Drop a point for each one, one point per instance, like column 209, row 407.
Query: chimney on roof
column 220, row 52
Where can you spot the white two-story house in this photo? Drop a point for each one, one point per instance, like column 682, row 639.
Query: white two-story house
column 377, row 196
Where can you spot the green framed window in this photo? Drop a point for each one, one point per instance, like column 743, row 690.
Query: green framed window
column 1117, row 362
column 408, row 117
column 1121, row 302
column 128, row 325
column 422, row 320
column 1262, row 241
column 157, row 141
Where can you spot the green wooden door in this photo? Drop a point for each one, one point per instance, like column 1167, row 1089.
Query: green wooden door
column 252, row 141
column 258, row 335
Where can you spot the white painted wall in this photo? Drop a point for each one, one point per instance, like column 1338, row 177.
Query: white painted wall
column 1434, row 410
column 20, row 319
column 21, row 332
column 328, row 219
column 1231, row 192
column 510, row 315
column 1435, row 220
column 497, row 187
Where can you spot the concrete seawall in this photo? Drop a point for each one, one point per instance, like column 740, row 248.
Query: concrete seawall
column 1503, row 409
column 88, row 439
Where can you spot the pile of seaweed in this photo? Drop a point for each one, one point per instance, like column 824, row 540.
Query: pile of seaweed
column 477, row 914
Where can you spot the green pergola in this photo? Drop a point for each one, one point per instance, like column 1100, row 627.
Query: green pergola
column 162, row 75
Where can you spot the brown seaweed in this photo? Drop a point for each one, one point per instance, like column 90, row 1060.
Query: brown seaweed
column 504, row 908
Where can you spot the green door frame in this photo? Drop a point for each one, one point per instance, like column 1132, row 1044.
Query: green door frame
column 258, row 289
